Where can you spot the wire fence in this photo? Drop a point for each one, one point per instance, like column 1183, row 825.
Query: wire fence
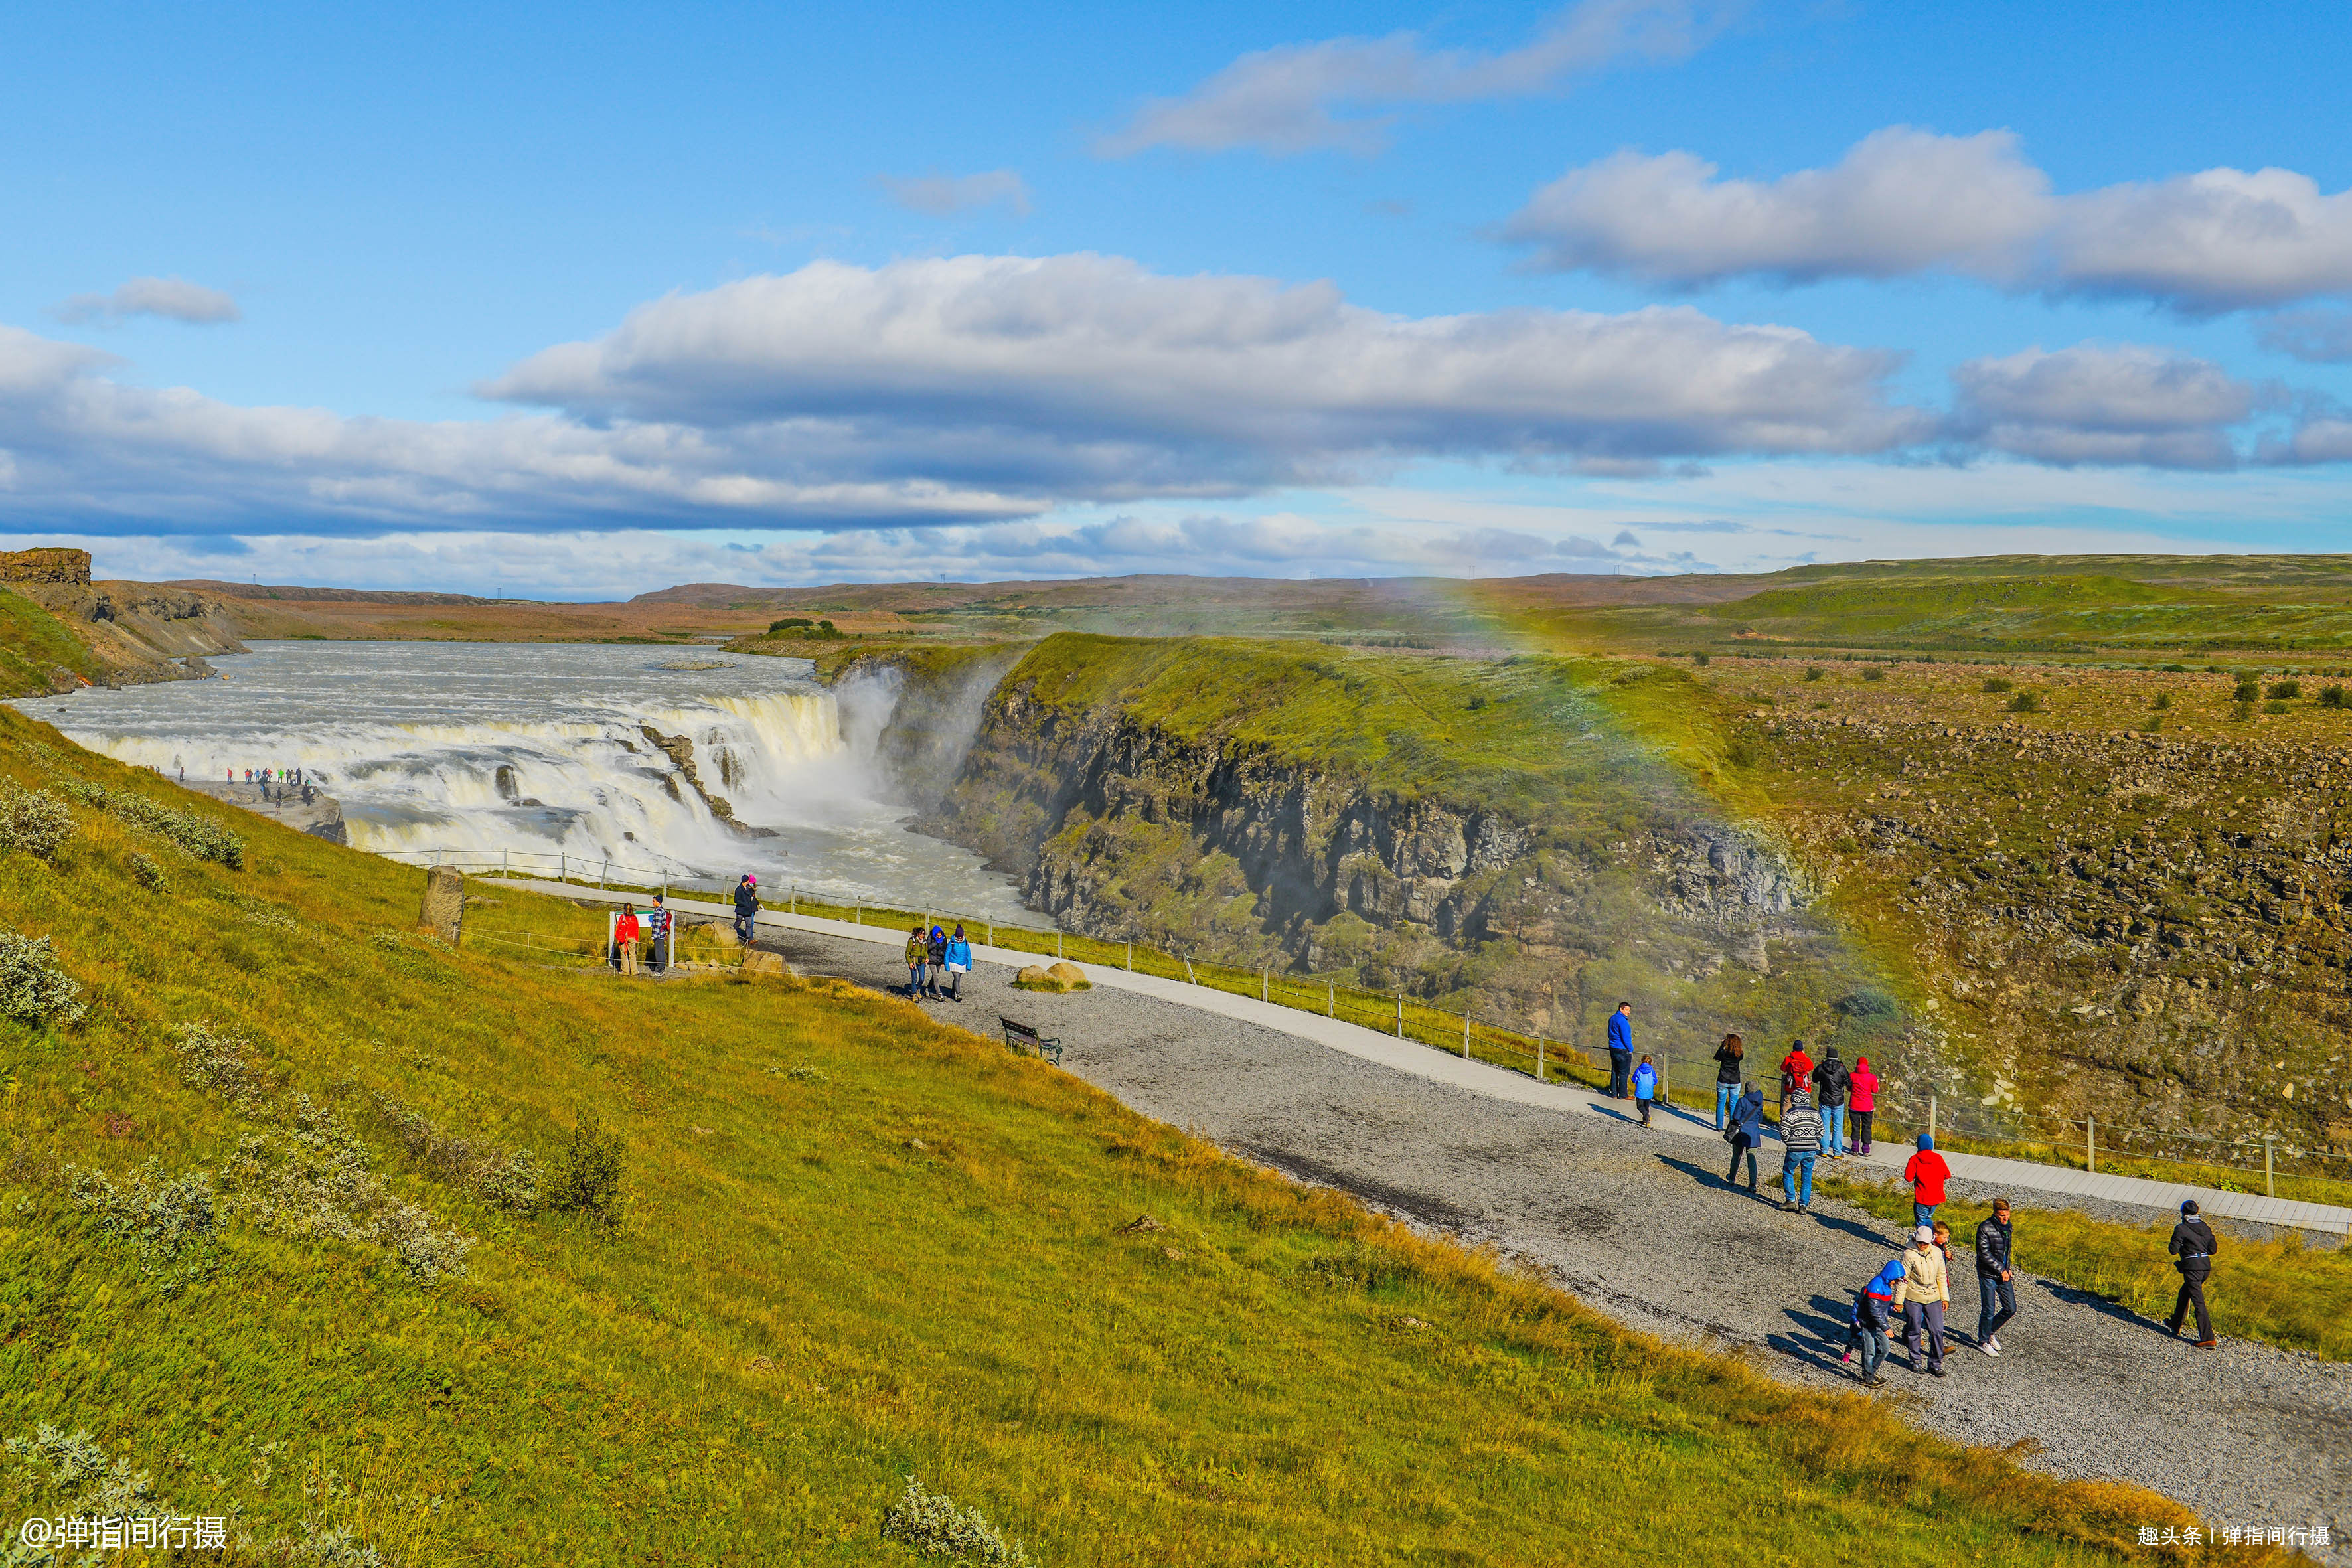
column 1687, row 1081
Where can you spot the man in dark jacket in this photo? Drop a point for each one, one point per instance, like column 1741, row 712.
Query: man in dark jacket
column 747, row 907
column 1994, row 1289
column 2192, row 1246
column 1620, row 1050
column 1832, row 1085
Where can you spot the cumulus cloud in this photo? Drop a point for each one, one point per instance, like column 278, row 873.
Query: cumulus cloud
column 1905, row 202
column 1090, row 375
column 944, row 196
column 1342, row 92
column 175, row 298
column 2105, row 404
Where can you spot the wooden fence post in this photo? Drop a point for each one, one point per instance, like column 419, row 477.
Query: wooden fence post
column 2270, row 1181
column 1400, row 1014
column 1539, row 1062
column 1465, row 1033
column 2091, row 1143
column 1330, row 999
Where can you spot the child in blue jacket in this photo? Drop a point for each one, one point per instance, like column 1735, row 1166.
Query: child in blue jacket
column 1645, row 1087
column 1872, row 1320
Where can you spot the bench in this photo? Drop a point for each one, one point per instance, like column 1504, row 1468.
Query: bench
column 1022, row 1038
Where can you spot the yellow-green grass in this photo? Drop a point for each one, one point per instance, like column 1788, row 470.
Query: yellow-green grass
column 2276, row 1291
column 2301, row 1186
column 908, row 1260
column 32, row 643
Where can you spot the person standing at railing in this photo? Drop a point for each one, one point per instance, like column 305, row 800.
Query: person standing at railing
column 958, row 957
column 1927, row 1173
column 1865, row 1100
column 1645, row 1087
column 2192, row 1246
column 1832, row 1082
column 1746, row 1134
column 625, row 939
column 1800, row 1145
column 1621, row 1049
column 1994, row 1237
column 1728, row 1068
column 919, row 960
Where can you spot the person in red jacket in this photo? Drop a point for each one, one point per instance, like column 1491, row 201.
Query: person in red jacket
column 625, row 939
column 1927, row 1173
column 1796, row 1071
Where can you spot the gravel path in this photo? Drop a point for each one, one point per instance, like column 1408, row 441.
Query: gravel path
column 1642, row 1226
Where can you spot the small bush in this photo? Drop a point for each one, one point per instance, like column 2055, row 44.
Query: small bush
column 34, row 821
column 803, row 1073
column 2160, row 701
column 1814, row 672
column 2274, row 707
column 193, row 834
column 2151, row 725
column 32, row 985
column 1996, row 683
column 2332, row 696
column 1743, row 754
column 588, row 1174
column 2243, row 712
column 2174, row 669
column 931, row 1524
column 312, row 1178
column 2281, row 691
column 173, row 1225
column 1876, row 672
column 223, row 1064
column 508, row 1181
column 1701, row 659
column 790, row 623
column 75, row 1476
column 148, row 874
column 2025, row 702
column 2248, row 690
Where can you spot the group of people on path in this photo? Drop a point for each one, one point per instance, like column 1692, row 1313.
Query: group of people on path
column 1914, row 1289
column 655, row 929
column 935, row 957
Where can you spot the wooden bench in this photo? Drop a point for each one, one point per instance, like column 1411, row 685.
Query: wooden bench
column 1022, row 1038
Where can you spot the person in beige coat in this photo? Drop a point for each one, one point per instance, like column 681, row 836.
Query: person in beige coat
column 1923, row 1293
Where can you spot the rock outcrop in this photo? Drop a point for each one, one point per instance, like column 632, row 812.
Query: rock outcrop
column 680, row 749
column 137, row 632
column 443, row 910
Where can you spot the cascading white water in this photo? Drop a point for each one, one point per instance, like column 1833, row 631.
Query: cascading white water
column 542, row 748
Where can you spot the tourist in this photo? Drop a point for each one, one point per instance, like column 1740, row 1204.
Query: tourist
column 958, row 957
column 939, row 953
column 1927, row 1173
column 918, row 958
column 1832, row 1082
column 1796, row 1071
column 1621, row 1048
column 657, row 927
column 1865, row 1084
column 2192, row 1246
column 1800, row 1145
column 1727, row 1068
column 1993, row 1273
column 747, row 908
column 1744, row 1133
column 625, row 939
column 1871, row 1320
column 1645, row 1087
column 1925, row 1290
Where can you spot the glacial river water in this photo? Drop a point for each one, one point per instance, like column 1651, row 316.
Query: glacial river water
column 537, row 747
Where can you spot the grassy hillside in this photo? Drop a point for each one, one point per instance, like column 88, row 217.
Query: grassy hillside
column 32, row 644
column 270, row 1237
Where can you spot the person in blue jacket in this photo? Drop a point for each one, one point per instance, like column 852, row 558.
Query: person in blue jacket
column 1871, row 1320
column 959, row 957
column 1645, row 1087
column 1621, row 1048
column 1744, row 1133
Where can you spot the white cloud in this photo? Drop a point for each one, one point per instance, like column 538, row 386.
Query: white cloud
column 1334, row 94
column 175, row 298
column 2104, row 404
column 2316, row 337
column 1905, row 202
column 1902, row 201
column 943, row 195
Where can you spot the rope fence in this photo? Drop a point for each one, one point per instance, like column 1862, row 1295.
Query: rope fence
column 1687, row 1081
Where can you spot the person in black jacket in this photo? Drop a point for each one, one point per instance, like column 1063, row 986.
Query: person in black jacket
column 747, row 907
column 1727, row 1068
column 1745, row 1134
column 2192, row 1246
column 1832, row 1086
column 1994, row 1271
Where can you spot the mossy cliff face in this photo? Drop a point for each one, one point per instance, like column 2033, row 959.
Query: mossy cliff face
column 1481, row 833
column 916, row 710
column 2157, row 930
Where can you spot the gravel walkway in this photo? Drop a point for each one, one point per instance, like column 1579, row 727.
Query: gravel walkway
column 1631, row 1221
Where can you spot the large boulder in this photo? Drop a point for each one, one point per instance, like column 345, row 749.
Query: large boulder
column 1058, row 977
column 444, row 904
column 758, row 963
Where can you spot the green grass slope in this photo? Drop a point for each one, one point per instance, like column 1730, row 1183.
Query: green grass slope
column 32, row 643
column 857, row 1246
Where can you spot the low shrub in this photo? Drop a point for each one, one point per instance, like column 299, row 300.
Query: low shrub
column 506, row 1180
column 2025, row 702
column 587, row 1178
column 74, row 1478
column 312, row 1178
column 224, row 1064
column 173, row 1225
column 1743, row 753
column 33, row 985
column 2281, row 690
column 1814, row 672
column 34, row 821
column 148, row 874
column 2248, row 690
column 1996, row 683
column 933, row 1526
column 2243, row 712
column 1701, row 659
column 2161, row 700
column 1876, row 672
column 191, row 833
column 2333, row 697
column 2275, row 706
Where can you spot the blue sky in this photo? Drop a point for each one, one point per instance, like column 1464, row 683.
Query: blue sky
column 578, row 301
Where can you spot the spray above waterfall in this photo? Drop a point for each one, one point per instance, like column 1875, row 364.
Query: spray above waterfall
column 596, row 751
